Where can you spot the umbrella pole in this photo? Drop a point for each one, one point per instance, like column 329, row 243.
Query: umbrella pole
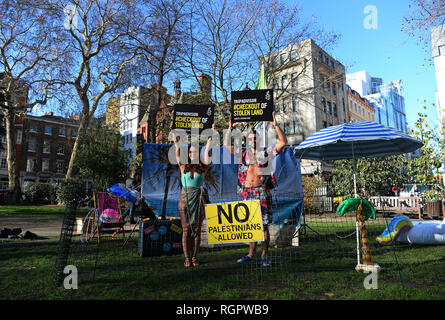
column 354, row 170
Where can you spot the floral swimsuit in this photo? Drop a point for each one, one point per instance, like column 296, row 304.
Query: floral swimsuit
column 266, row 177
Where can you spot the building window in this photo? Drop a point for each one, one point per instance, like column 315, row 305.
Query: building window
column 286, row 105
column 48, row 130
column 30, row 165
column 283, row 58
column 320, row 55
column 45, row 165
column 323, row 104
column 275, row 84
column 3, row 161
column 334, row 107
column 62, row 132
column 325, row 124
column 61, row 149
column 294, row 79
column 293, row 55
column 60, row 167
column 74, row 133
column 284, row 82
column 296, row 126
column 286, row 128
column 32, row 145
column 275, row 62
column 334, row 91
column 46, row 147
column 33, row 127
column 294, row 104
column 330, row 107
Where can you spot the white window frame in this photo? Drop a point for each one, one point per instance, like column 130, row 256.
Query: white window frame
column 47, row 161
column 46, row 144
column 29, row 145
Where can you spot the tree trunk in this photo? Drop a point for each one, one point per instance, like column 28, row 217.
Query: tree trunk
column 13, row 175
column 83, row 125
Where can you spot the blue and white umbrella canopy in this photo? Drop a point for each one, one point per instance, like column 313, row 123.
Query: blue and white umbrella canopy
column 356, row 140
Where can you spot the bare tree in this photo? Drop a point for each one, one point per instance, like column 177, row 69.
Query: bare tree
column 424, row 15
column 160, row 43
column 96, row 58
column 216, row 46
column 27, row 60
column 280, row 27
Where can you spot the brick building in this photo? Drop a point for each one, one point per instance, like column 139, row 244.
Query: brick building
column 360, row 109
column 47, row 144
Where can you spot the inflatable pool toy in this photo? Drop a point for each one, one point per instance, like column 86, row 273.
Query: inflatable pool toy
column 350, row 205
column 425, row 232
column 397, row 226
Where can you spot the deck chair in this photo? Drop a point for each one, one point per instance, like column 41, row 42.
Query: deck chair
column 104, row 219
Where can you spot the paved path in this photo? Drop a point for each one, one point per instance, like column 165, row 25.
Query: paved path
column 41, row 226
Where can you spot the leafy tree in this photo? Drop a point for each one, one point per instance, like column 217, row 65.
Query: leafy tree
column 102, row 158
column 374, row 176
column 428, row 166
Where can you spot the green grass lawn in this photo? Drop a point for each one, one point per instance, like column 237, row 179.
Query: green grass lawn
column 322, row 267
column 312, row 271
column 36, row 211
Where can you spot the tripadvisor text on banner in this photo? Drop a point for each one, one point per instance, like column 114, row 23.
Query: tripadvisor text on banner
column 234, row 222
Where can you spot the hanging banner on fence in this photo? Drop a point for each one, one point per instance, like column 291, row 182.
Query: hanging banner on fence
column 187, row 115
column 252, row 105
column 234, row 222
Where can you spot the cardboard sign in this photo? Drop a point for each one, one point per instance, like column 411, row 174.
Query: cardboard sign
column 252, row 105
column 186, row 116
column 234, row 222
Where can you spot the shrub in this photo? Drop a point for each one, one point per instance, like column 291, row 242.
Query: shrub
column 70, row 192
column 40, row 193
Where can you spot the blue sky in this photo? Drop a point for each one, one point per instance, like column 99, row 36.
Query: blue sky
column 386, row 52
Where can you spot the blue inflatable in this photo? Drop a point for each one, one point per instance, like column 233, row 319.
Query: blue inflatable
column 398, row 225
column 425, row 232
column 120, row 190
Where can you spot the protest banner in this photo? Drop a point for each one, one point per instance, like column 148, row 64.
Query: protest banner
column 234, row 222
column 252, row 105
column 186, row 116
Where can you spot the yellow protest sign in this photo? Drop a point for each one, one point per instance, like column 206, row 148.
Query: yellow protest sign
column 234, row 222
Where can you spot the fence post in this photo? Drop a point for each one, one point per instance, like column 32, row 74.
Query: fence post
column 66, row 233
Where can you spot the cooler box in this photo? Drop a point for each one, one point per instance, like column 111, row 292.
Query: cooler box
column 160, row 237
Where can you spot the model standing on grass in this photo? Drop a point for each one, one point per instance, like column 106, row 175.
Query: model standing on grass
column 255, row 180
column 193, row 198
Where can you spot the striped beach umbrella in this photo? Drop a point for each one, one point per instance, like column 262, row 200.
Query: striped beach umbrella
column 356, row 140
column 352, row 141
